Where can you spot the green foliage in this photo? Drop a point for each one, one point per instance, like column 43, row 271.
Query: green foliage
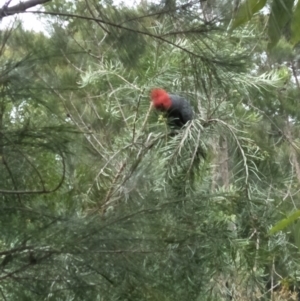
column 246, row 11
column 281, row 13
column 101, row 200
column 282, row 52
column 281, row 225
column 295, row 25
column 283, row 18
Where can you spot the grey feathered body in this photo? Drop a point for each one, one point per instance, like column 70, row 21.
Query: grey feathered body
column 180, row 112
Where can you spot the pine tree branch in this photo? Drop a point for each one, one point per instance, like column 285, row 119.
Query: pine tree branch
column 19, row 8
column 145, row 33
column 93, row 15
column 162, row 12
column 42, row 191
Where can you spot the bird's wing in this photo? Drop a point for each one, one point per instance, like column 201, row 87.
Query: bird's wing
column 181, row 108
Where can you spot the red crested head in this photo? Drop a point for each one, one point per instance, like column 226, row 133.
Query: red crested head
column 161, row 99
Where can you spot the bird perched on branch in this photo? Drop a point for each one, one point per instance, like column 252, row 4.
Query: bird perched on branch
column 178, row 111
column 177, row 108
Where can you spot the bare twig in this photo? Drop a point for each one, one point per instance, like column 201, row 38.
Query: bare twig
column 136, row 115
column 111, row 189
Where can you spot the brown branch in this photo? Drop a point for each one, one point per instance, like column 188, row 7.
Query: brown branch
column 93, row 15
column 43, row 191
column 29, row 162
column 195, row 152
column 130, row 251
column 188, row 31
column 11, row 176
column 2, row 294
column 162, row 12
column 224, row 169
column 15, row 250
column 111, row 189
column 117, row 100
column 128, row 217
column 6, row 35
column 19, row 8
column 293, row 152
column 25, row 267
column 138, row 160
column 145, row 33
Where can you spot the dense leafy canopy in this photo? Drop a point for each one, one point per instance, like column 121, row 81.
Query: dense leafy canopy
column 101, row 200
